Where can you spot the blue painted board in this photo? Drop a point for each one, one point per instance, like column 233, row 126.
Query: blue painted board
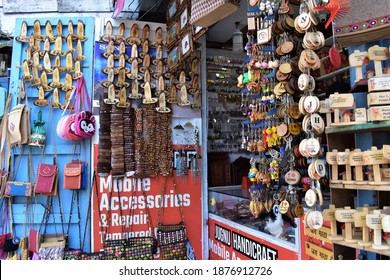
column 66, row 150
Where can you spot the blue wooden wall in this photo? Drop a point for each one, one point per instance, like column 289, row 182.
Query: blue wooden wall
column 23, row 220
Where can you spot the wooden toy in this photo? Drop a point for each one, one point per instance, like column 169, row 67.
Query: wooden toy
column 356, row 61
column 378, row 54
column 360, row 222
column 329, row 216
column 375, row 158
column 344, row 104
column 374, row 221
column 346, row 216
column 331, row 159
column 357, row 162
column 343, row 159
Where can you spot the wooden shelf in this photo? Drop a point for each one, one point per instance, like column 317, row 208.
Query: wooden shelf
column 365, row 127
column 365, row 248
column 336, row 186
column 360, row 187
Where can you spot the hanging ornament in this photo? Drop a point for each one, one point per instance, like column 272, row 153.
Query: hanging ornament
column 38, row 132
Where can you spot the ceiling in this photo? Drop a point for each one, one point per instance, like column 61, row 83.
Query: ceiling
column 219, row 35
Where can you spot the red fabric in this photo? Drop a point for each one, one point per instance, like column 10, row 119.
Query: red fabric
column 3, row 237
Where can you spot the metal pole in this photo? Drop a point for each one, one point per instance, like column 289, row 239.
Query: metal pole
column 204, row 193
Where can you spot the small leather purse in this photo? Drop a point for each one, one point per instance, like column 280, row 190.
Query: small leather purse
column 46, row 182
column 72, row 176
column 16, row 188
column 19, row 121
column 34, row 240
column 84, row 174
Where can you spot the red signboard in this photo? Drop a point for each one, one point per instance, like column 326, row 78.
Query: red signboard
column 311, row 239
column 121, row 208
column 228, row 243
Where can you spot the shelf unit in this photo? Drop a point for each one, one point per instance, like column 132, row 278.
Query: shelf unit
column 365, row 248
column 358, row 128
column 358, row 136
column 361, row 187
column 361, row 136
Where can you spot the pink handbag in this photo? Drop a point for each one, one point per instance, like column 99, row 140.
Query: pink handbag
column 61, row 127
column 84, row 122
column 70, row 130
column 81, row 123
column 64, row 122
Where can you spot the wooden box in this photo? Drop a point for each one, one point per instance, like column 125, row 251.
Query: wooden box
column 379, row 83
column 378, row 98
column 379, row 113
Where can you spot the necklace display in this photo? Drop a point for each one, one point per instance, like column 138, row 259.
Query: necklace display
column 133, row 133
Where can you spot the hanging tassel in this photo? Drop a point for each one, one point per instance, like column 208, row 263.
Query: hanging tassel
column 118, row 8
